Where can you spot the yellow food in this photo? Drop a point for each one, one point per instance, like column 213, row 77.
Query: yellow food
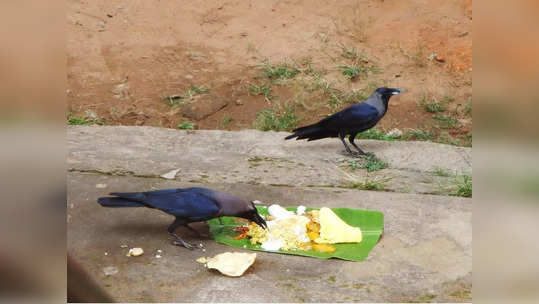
column 313, row 235
column 312, row 226
column 232, row 264
column 334, row 230
column 323, row 248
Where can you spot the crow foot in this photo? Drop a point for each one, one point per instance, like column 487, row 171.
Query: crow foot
column 353, row 153
column 180, row 242
column 183, row 243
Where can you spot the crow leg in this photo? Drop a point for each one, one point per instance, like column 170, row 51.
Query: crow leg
column 220, row 221
column 351, row 138
column 194, row 230
column 341, row 136
column 179, row 242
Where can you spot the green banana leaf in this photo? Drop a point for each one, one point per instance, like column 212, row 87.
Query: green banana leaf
column 370, row 222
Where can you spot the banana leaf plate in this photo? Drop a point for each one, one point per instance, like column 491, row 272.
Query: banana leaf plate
column 370, row 222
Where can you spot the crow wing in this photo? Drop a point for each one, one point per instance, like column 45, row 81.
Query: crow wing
column 356, row 117
column 191, row 203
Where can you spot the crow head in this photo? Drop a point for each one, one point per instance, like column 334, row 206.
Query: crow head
column 388, row 92
column 254, row 216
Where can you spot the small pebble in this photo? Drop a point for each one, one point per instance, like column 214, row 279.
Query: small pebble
column 123, row 246
column 157, row 256
column 106, row 253
column 101, row 186
column 159, row 250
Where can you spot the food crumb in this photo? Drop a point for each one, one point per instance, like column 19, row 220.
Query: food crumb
column 135, row 251
column 202, row 260
column 157, row 256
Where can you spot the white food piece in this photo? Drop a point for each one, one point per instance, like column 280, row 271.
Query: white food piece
column 157, row 256
column 300, row 210
column 279, row 212
column 135, row 251
column 232, row 264
column 170, row 174
column 272, row 245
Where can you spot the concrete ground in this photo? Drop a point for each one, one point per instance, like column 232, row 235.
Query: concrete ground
column 425, row 254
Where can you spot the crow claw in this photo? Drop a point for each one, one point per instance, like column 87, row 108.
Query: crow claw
column 187, row 245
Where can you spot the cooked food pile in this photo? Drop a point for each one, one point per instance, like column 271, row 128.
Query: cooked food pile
column 313, row 230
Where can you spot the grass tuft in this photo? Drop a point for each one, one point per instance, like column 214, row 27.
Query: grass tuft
column 445, row 122
column 439, row 171
column 85, row 121
column 226, row 120
column 369, row 184
column 371, row 163
column 195, row 90
column 374, row 133
column 433, row 105
column 174, row 100
column 269, row 120
column 462, row 186
column 418, row 134
column 186, row 125
column 264, row 90
column 279, row 71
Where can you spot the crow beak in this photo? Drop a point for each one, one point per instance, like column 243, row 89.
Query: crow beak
column 397, row 91
column 259, row 220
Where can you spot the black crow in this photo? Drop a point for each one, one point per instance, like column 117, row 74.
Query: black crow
column 187, row 205
column 350, row 121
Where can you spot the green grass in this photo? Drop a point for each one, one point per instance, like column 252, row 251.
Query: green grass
column 432, row 105
column 264, row 90
column 468, row 108
column 85, row 121
column 196, row 90
column 226, row 120
column 369, row 184
column 279, row 71
column 371, row 163
column 349, row 53
column 186, row 125
column 374, row 133
column 462, row 186
column 445, row 122
column 179, row 100
column 439, row 171
column 268, row 119
column 174, row 100
column 416, row 134
column 356, row 71
column 352, row 72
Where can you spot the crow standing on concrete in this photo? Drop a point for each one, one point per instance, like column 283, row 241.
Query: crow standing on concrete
column 187, row 205
column 350, row 121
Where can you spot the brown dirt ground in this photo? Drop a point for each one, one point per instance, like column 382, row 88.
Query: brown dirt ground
column 125, row 58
